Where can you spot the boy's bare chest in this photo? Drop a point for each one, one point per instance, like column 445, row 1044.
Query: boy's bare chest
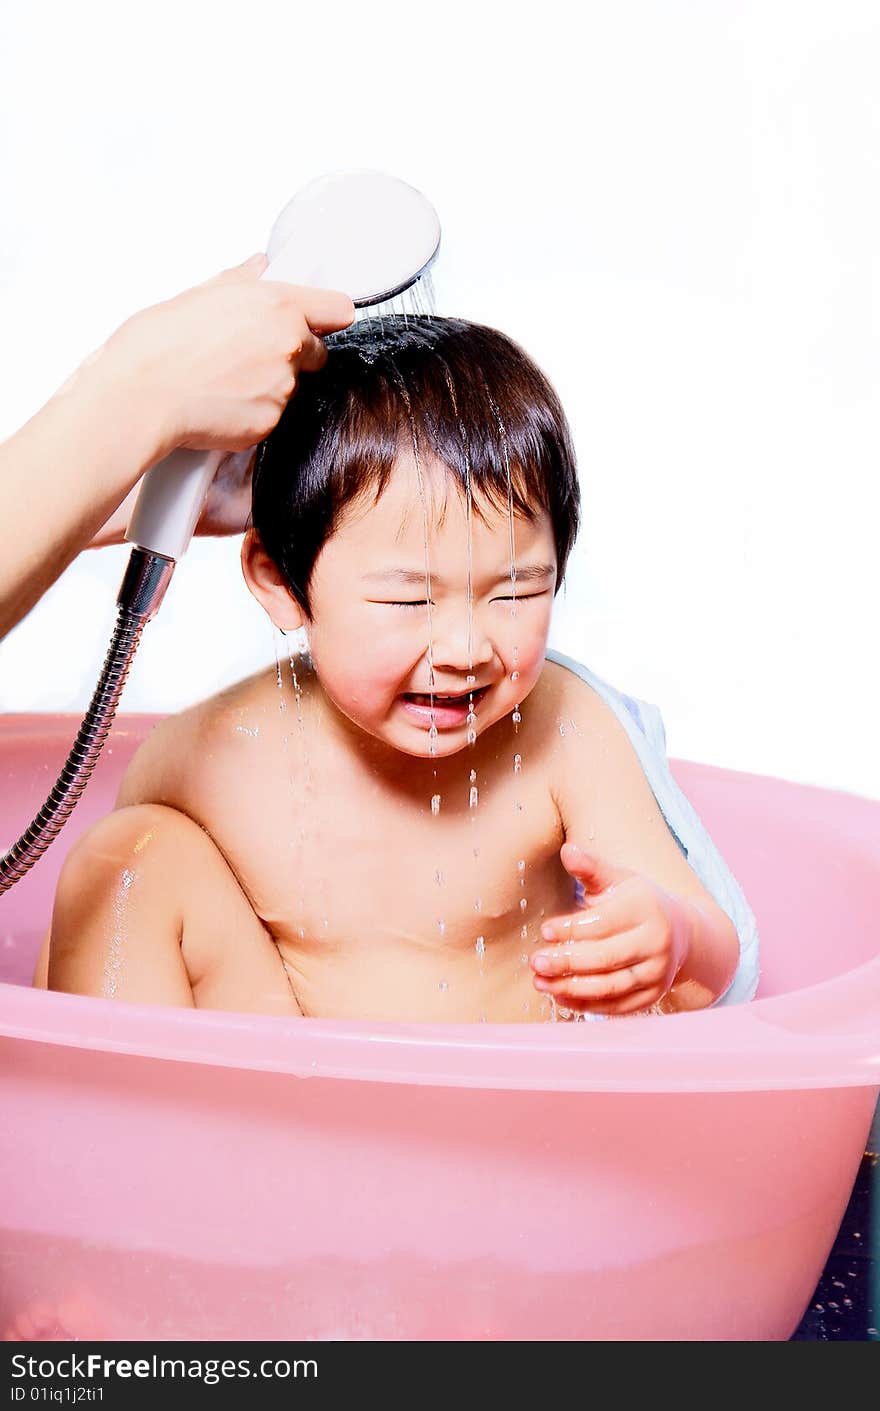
column 327, row 860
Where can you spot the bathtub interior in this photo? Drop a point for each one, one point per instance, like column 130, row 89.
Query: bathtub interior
column 808, row 859
column 398, row 1201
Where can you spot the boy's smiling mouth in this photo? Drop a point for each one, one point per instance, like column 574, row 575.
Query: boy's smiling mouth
column 441, row 708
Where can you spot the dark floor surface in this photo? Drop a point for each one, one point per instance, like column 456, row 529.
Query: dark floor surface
column 846, row 1304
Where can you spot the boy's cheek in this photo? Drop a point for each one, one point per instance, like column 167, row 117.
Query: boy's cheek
column 526, row 654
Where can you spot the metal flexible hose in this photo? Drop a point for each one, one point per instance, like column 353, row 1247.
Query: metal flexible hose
column 143, row 587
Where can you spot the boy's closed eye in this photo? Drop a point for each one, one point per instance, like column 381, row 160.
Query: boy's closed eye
column 423, row 602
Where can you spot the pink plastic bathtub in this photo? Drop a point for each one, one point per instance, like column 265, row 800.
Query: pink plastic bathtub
column 179, row 1175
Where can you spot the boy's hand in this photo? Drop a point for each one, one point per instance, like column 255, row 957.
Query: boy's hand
column 622, row 951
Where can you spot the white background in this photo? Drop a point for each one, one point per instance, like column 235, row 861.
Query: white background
column 673, row 206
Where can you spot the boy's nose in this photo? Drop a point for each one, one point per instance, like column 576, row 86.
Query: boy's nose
column 457, row 643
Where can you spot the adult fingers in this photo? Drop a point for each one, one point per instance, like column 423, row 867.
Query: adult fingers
column 253, row 266
column 324, row 310
column 310, row 355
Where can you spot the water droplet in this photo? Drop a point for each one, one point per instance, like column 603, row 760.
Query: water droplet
column 521, row 865
column 472, row 737
column 480, row 945
column 522, row 903
column 473, row 776
column 443, row 985
column 325, row 923
column 524, row 933
column 514, row 675
column 562, row 729
column 438, row 876
column 470, row 680
column 441, row 927
column 435, row 805
column 516, row 717
column 524, row 957
column 478, row 904
column 517, row 764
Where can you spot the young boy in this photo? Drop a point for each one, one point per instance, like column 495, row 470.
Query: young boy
column 431, row 819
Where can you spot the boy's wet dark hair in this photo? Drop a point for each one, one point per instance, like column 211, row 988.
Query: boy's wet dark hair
column 469, row 394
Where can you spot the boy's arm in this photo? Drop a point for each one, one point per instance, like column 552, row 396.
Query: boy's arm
column 157, row 771
column 607, row 806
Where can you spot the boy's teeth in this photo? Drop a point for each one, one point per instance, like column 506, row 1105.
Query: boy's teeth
column 437, row 696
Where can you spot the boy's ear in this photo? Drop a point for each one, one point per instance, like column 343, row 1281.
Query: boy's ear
column 265, row 581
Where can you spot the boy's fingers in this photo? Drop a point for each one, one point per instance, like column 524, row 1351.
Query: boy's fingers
column 593, row 872
column 580, row 924
column 639, row 1000
column 586, row 957
column 617, row 984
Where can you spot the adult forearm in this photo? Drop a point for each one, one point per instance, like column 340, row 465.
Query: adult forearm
column 62, row 475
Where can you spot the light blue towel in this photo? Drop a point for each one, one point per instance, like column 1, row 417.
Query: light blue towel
column 644, row 726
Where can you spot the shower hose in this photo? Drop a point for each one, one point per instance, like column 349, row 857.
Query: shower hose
column 146, row 578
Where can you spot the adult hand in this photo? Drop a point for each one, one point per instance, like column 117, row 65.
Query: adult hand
column 216, row 365
column 209, row 369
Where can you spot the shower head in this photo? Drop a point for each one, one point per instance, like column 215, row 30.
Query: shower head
column 366, row 233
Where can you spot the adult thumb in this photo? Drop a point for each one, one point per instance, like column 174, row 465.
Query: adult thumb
column 253, row 267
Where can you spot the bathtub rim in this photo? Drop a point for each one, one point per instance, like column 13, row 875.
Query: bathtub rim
column 802, row 1039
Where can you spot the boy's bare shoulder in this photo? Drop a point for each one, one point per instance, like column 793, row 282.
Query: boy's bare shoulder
column 591, row 757
column 186, row 750
column 569, row 701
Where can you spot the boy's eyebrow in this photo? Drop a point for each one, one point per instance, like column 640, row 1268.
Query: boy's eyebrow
column 525, row 573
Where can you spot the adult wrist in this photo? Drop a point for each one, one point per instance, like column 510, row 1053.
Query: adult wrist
column 124, row 414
